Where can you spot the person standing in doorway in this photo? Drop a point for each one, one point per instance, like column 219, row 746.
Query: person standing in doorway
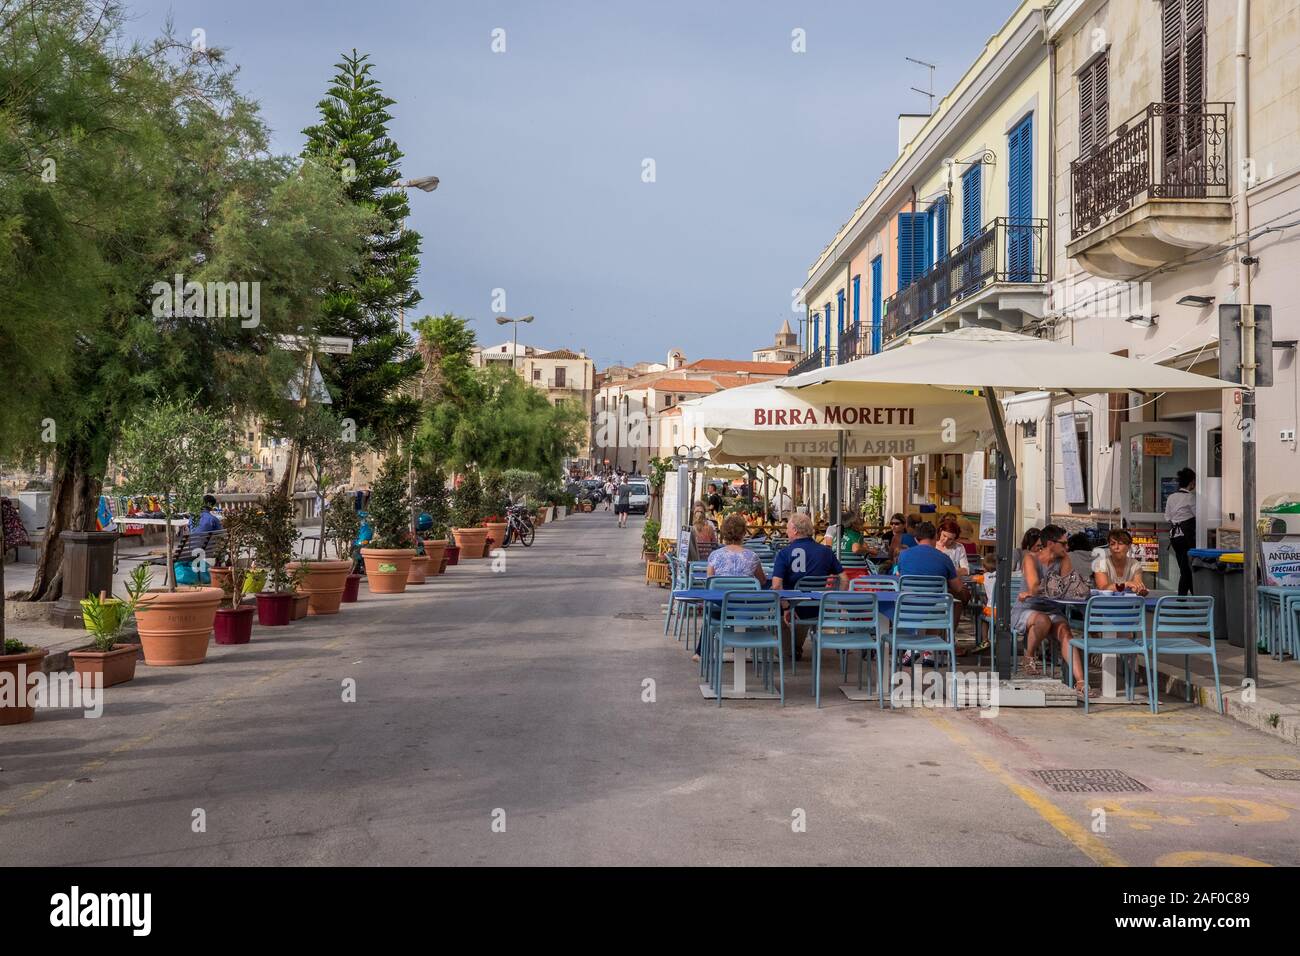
column 783, row 505
column 1180, row 512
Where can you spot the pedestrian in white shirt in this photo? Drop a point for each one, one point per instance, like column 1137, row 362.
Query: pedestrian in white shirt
column 1180, row 512
column 783, row 504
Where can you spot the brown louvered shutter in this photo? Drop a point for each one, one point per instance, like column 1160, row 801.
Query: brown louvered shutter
column 1101, row 97
column 1171, row 52
column 1087, row 122
column 1194, row 51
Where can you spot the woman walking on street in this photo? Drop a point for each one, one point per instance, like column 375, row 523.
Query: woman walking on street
column 1180, row 512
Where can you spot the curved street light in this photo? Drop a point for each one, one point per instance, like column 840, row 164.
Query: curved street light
column 514, row 350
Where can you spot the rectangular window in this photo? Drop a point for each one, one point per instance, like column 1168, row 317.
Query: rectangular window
column 877, row 298
column 1094, row 103
column 913, row 233
column 972, row 218
column 559, row 377
column 537, row 375
column 1020, row 201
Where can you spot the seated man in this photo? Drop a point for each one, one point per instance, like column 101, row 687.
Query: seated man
column 202, row 526
column 804, row 557
column 926, row 559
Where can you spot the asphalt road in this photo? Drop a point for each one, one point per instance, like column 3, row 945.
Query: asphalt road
column 499, row 718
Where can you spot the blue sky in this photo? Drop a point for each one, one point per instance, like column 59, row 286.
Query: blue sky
column 760, row 153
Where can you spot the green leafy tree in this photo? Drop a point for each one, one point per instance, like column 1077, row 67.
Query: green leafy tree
column 158, row 167
column 178, row 452
column 275, row 530
column 329, row 448
column 390, row 512
column 352, row 139
column 467, row 503
column 430, row 496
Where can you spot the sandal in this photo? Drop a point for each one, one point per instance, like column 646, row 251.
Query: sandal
column 1093, row 693
column 1030, row 667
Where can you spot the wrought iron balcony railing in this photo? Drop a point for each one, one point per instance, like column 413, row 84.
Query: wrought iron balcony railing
column 1008, row 250
column 809, row 362
column 1168, row 151
column 855, row 343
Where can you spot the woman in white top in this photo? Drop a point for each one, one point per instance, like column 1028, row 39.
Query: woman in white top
column 1117, row 569
column 948, row 543
column 1180, row 512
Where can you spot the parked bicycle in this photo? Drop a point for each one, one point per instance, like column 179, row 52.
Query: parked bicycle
column 519, row 526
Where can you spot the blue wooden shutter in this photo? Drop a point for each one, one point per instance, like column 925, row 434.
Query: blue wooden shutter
column 912, row 234
column 826, row 355
column 1020, row 201
column 857, row 303
column 814, row 318
column 971, row 214
column 877, row 276
column 939, row 213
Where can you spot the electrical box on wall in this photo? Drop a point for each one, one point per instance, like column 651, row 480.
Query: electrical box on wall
column 1288, row 434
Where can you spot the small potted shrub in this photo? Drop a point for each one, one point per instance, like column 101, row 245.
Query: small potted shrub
column 19, row 664
column 106, row 618
column 176, row 452
column 330, row 449
column 431, row 500
column 650, row 540
column 274, row 541
column 467, row 515
column 388, row 558
column 343, row 525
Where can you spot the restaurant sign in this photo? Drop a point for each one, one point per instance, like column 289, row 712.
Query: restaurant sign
column 835, row 415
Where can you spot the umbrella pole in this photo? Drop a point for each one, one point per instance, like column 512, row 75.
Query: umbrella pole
column 1006, row 506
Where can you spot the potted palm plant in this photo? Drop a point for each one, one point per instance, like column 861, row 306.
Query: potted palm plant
column 466, row 515
column 343, row 525
column 330, row 449
column 388, row 558
column 274, row 539
column 107, row 618
column 176, row 452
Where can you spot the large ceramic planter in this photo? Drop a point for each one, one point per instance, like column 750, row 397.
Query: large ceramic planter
column 175, row 625
column 471, row 541
column 387, row 568
column 275, row 608
column 496, row 531
column 30, row 663
column 436, row 552
column 323, row 584
column 419, row 569
column 452, row 556
column 116, row 666
column 234, row 626
column 351, row 589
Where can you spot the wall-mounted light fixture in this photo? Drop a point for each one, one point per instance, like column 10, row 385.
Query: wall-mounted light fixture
column 1200, row 301
column 1142, row 321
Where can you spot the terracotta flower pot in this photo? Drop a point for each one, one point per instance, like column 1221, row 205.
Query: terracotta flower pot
column 471, row 541
column 323, row 584
column 298, row 610
column 175, row 625
column 275, row 608
column 436, row 552
column 30, row 662
column 452, row 555
column 387, row 568
column 419, row 569
column 497, row 532
column 117, row 666
column 351, row 588
column 234, row 626
column 221, row 578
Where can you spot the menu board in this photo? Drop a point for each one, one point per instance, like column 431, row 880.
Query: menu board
column 1070, row 458
column 989, row 511
column 972, row 485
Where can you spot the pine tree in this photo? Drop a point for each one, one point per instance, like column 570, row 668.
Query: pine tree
column 352, row 138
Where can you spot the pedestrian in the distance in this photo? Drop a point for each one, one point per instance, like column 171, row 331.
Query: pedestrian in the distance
column 623, row 503
column 1180, row 512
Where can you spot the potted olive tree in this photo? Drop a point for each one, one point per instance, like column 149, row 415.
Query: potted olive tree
column 276, row 535
column 107, row 618
column 467, row 515
column 176, row 452
column 329, row 447
column 431, row 500
column 234, row 624
column 343, row 525
column 388, row 557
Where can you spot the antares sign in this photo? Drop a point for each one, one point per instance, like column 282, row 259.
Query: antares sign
column 835, row 415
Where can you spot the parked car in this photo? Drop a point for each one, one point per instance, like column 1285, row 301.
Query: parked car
column 639, row 499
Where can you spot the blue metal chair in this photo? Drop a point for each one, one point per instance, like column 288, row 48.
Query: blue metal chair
column 916, row 613
column 923, row 583
column 874, row 582
column 1277, row 620
column 712, row 613
column 695, row 575
column 849, row 622
column 749, row 620
column 854, row 561
column 1125, row 614
column 814, row 582
column 1184, row 616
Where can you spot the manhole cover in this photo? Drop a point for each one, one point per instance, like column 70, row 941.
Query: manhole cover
column 1090, row 781
column 1276, row 774
column 630, row 616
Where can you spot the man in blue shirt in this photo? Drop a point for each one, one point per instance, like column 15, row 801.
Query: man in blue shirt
column 924, row 558
column 804, row 557
column 206, row 523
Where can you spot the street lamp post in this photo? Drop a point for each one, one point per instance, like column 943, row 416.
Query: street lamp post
column 514, row 349
column 428, row 184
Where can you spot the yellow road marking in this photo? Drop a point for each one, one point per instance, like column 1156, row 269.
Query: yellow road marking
column 1083, row 840
column 1207, row 858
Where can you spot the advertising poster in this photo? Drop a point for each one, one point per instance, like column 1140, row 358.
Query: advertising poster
column 1146, row 548
column 989, row 511
column 1281, row 563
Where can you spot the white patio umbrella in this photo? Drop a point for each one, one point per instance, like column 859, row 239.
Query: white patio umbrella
column 994, row 361
column 766, row 424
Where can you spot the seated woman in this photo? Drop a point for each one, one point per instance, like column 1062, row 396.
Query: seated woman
column 1037, row 616
column 706, row 539
column 851, row 539
column 733, row 559
column 1117, row 569
column 950, row 544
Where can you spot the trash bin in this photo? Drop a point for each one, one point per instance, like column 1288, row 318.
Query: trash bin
column 1234, row 597
column 1207, row 579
